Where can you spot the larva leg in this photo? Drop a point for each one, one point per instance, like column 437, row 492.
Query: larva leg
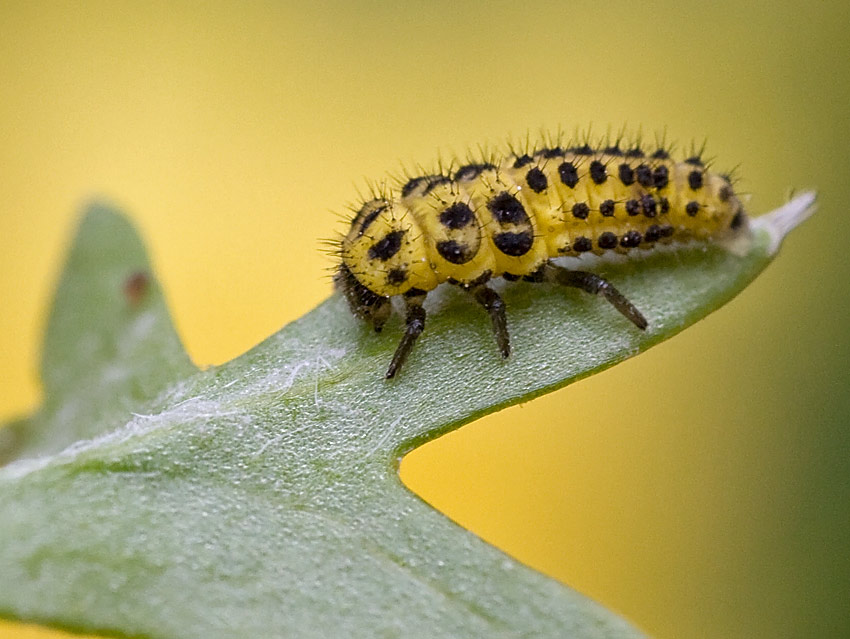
column 381, row 314
column 495, row 307
column 595, row 284
column 415, row 324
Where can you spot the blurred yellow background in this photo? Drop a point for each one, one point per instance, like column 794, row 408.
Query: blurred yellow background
column 701, row 489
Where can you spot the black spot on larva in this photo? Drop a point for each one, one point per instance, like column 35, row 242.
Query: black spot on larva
column 584, row 149
column 536, row 180
column 551, row 153
column 434, row 181
column 631, row 239
column 644, row 175
column 471, row 171
column 582, row 245
column 695, row 160
column 514, row 244
column 613, row 150
column 627, row 175
column 569, row 174
column 428, row 181
column 692, row 208
column 632, row 207
column 607, row 208
column 412, row 184
column 415, row 292
column 725, row 193
column 511, row 277
column 454, row 252
column 647, row 203
column 660, row 176
column 666, row 231
column 370, row 217
column 661, row 154
column 457, row 216
column 607, row 240
column 652, row 233
column 598, row 172
column 738, row 220
column 663, row 205
column 397, row 276
column 634, row 153
column 580, row 210
column 387, row 246
column 506, row 209
column 695, row 180
column 523, row 160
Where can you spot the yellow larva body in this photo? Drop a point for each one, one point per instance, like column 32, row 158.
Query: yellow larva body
column 511, row 217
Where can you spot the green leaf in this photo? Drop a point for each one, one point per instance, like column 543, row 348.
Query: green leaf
column 109, row 351
column 261, row 498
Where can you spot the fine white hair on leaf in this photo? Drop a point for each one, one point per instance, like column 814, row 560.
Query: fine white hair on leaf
column 198, row 410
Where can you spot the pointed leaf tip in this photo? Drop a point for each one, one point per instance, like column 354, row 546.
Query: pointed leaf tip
column 780, row 222
column 110, row 345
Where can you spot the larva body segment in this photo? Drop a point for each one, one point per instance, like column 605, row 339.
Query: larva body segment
column 510, row 218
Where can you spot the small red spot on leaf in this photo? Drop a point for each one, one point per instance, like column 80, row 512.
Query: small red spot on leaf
column 136, row 288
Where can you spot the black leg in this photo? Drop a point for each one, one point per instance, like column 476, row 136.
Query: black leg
column 594, row 284
column 415, row 323
column 493, row 304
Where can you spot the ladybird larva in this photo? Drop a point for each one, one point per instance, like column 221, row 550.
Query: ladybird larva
column 510, row 217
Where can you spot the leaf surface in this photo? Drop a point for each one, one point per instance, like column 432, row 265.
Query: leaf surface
column 110, row 349
column 261, row 498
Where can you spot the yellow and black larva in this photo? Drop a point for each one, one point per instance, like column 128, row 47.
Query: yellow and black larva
column 510, row 217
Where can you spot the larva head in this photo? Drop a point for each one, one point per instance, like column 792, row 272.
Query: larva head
column 384, row 250
column 363, row 303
